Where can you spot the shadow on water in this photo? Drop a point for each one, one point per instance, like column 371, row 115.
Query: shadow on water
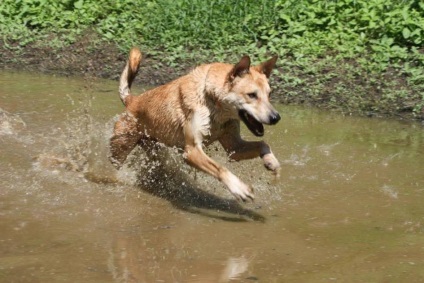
column 184, row 193
column 162, row 173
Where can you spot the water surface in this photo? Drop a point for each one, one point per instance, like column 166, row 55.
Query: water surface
column 348, row 206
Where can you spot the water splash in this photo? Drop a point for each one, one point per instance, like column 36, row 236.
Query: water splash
column 389, row 191
column 10, row 124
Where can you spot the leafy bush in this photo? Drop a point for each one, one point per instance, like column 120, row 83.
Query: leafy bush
column 300, row 27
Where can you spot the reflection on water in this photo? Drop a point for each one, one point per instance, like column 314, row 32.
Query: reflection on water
column 347, row 207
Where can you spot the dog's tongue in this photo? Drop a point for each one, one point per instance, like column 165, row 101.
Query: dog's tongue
column 252, row 124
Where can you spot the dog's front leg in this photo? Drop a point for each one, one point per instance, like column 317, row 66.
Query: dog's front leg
column 239, row 149
column 248, row 150
column 197, row 158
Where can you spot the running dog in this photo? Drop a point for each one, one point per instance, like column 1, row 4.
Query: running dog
column 197, row 109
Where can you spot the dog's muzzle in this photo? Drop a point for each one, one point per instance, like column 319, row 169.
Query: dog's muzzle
column 255, row 126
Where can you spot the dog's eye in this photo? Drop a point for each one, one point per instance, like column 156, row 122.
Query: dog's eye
column 252, row 95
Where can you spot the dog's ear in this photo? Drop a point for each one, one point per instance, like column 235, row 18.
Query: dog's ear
column 267, row 66
column 240, row 68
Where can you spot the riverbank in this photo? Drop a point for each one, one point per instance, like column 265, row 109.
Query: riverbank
column 339, row 84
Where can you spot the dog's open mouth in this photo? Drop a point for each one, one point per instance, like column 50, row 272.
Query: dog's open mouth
column 252, row 124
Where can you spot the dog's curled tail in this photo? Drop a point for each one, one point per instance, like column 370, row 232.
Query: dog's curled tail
column 128, row 75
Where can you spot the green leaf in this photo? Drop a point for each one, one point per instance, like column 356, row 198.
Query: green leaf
column 406, row 33
column 79, row 4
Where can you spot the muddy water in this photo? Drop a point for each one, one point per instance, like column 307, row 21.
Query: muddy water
column 348, row 206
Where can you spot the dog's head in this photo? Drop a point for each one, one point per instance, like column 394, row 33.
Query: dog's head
column 249, row 92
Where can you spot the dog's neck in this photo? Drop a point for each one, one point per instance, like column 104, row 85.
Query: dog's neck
column 213, row 84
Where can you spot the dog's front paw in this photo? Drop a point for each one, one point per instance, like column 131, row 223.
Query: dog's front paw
column 239, row 189
column 271, row 163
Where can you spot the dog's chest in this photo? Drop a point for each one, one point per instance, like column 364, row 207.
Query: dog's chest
column 216, row 130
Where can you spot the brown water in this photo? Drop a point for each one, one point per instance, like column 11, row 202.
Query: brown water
column 347, row 208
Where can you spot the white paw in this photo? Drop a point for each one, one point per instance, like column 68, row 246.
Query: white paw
column 270, row 162
column 239, row 189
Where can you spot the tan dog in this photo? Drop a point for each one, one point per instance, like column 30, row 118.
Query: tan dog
column 197, row 109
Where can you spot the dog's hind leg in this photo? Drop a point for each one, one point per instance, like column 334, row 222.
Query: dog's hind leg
column 125, row 137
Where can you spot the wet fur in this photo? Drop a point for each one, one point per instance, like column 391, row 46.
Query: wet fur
column 197, row 109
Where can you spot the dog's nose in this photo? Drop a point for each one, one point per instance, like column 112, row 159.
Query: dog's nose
column 274, row 118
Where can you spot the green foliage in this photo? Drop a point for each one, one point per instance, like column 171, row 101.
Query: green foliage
column 379, row 35
column 298, row 27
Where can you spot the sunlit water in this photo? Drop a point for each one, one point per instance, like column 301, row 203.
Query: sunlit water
column 348, row 207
